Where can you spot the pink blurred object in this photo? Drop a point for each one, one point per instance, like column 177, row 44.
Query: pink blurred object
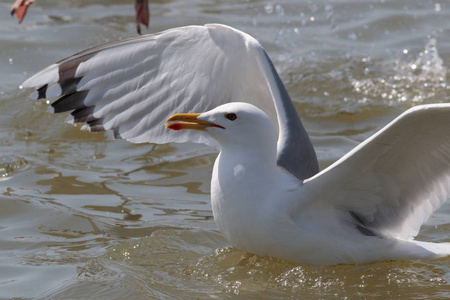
column 142, row 14
column 20, row 8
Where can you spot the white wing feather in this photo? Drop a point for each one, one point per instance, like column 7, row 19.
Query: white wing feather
column 392, row 182
column 133, row 86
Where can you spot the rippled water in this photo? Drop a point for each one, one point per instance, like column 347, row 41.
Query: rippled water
column 82, row 216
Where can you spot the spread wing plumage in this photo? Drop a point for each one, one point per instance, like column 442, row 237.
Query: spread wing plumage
column 392, row 182
column 131, row 87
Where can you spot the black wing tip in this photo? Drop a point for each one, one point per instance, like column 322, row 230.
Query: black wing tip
column 96, row 125
column 117, row 134
column 42, row 92
column 84, row 114
column 68, row 102
column 97, row 128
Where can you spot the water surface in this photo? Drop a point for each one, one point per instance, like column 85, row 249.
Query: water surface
column 83, row 216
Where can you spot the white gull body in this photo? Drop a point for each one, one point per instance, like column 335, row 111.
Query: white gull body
column 345, row 214
column 267, row 194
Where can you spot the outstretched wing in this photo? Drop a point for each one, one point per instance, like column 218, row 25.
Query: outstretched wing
column 391, row 183
column 131, row 87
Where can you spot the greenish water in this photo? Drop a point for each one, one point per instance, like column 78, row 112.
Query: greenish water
column 83, row 216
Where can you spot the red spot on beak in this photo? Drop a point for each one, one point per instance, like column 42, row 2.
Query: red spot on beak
column 188, row 121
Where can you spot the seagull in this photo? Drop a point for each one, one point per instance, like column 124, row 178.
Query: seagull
column 216, row 85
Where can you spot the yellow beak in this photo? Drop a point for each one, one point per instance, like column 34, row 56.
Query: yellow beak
column 188, row 121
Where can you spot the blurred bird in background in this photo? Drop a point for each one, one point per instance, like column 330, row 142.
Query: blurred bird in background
column 20, row 7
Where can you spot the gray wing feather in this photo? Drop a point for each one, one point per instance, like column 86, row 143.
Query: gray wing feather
column 131, row 87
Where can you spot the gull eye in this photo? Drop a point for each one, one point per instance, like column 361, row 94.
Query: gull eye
column 231, row 117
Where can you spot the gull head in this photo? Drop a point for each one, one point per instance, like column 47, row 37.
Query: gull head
column 232, row 124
